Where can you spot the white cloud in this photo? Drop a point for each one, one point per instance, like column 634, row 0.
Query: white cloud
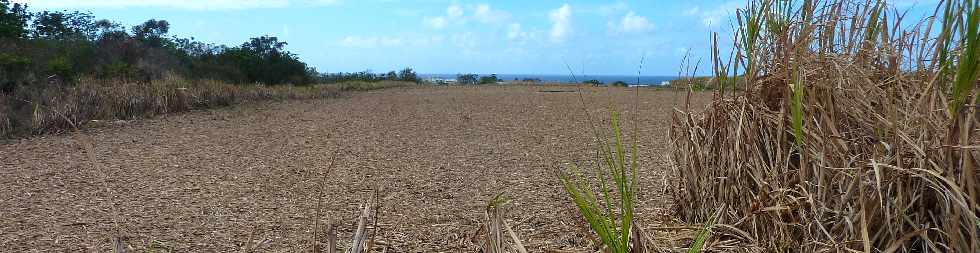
column 515, row 32
column 354, row 41
column 714, row 17
column 174, row 4
column 561, row 22
column 482, row 11
column 631, row 23
column 454, row 14
column 485, row 14
column 436, row 22
column 454, row 11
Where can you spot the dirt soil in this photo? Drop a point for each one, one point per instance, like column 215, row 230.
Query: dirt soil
column 248, row 178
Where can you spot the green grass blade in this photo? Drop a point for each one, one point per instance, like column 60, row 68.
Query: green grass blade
column 969, row 60
column 797, row 108
column 612, row 220
column 706, row 232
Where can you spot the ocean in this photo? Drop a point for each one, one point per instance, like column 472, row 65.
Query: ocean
column 606, row 79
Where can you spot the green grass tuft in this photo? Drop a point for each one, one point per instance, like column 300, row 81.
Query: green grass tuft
column 612, row 217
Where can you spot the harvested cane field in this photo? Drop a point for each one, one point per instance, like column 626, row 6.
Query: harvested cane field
column 251, row 178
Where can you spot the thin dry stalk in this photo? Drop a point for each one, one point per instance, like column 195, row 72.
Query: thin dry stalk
column 841, row 139
column 363, row 240
column 494, row 227
column 319, row 201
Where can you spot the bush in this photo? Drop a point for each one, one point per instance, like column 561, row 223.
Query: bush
column 408, row 75
column 467, row 78
column 61, row 68
column 593, row 82
column 492, row 79
column 12, row 71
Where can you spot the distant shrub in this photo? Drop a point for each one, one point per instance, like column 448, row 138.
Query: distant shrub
column 405, row 75
column 593, row 82
column 491, row 79
column 408, row 75
column 467, row 78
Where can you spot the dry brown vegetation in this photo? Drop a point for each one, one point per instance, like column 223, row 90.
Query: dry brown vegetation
column 248, row 178
column 834, row 126
column 56, row 108
column 855, row 131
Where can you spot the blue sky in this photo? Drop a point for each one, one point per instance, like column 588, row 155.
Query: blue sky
column 433, row 36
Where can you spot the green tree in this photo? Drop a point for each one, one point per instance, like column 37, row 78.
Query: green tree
column 66, row 45
column 491, row 79
column 593, row 82
column 13, row 68
column 265, row 60
column 265, row 46
column 13, row 20
column 408, row 75
column 75, row 26
column 467, row 78
column 152, row 32
column 105, row 27
column 620, row 84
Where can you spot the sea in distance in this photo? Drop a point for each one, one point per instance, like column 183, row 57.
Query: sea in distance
column 605, row 79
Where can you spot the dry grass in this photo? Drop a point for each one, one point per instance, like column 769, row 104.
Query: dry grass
column 55, row 108
column 846, row 136
column 491, row 235
column 700, row 83
column 248, row 177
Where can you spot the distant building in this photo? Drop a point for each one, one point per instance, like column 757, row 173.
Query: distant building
column 441, row 81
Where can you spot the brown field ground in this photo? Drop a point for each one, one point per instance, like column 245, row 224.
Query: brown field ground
column 246, row 178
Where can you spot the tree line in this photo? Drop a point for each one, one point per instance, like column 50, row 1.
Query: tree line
column 406, row 74
column 60, row 47
column 471, row 78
